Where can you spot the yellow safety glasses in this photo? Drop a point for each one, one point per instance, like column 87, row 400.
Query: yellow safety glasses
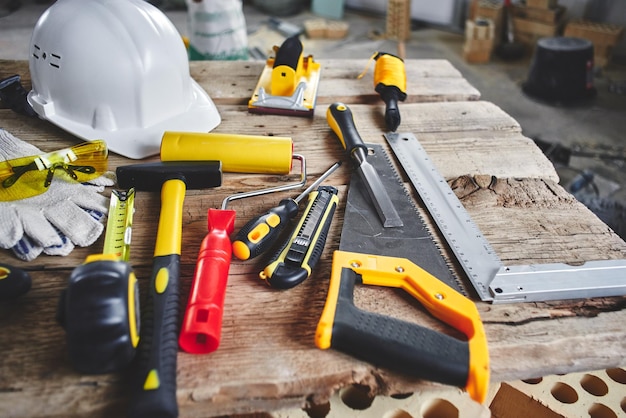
column 29, row 176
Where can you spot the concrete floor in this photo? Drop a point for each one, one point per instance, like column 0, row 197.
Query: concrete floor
column 598, row 126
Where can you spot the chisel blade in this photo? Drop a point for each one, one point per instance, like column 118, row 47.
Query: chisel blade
column 379, row 196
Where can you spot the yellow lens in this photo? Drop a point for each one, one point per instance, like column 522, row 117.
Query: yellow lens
column 29, row 176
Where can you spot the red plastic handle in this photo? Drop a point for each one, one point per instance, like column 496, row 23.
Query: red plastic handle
column 202, row 325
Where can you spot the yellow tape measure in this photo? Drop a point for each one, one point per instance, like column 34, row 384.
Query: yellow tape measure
column 119, row 224
column 99, row 309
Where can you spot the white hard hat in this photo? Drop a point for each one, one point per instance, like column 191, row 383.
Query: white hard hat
column 115, row 70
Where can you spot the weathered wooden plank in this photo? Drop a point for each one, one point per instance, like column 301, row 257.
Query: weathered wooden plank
column 233, row 83
column 557, row 229
column 267, row 359
column 245, row 367
column 461, row 137
column 427, row 80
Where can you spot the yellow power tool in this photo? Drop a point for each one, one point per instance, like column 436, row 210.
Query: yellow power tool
column 288, row 84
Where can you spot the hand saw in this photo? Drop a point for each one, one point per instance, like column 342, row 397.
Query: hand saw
column 406, row 258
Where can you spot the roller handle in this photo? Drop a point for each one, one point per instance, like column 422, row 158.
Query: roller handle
column 259, row 233
column 202, row 323
column 154, row 389
column 396, row 344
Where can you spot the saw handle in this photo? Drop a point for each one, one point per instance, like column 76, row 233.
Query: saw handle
column 202, row 324
column 399, row 345
column 256, row 236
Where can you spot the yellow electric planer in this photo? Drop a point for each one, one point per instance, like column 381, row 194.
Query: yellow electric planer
column 288, row 83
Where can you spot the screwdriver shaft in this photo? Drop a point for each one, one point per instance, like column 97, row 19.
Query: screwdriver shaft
column 317, row 182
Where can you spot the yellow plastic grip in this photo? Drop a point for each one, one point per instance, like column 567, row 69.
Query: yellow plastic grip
column 439, row 299
column 238, row 153
column 169, row 233
column 390, row 71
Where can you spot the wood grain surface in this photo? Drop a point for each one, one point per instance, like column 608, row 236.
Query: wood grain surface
column 267, row 359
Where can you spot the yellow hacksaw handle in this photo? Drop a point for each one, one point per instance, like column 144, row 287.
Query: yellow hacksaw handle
column 401, row 345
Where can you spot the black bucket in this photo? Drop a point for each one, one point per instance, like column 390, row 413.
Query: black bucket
column 561, row 70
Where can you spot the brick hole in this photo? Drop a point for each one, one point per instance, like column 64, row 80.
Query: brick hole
column 623, row 404
column 318, row 411
column 533, row 381
column 357, row 397
column 402, row 395
column 598, row 410
column 594, row 385
column 564, row 393
column 618, row 375
column 439, row 408
column 398, row 413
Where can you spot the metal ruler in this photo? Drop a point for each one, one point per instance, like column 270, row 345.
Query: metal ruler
column 492, row 280
column 119, row 224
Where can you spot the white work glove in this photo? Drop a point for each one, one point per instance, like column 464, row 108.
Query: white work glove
column 65, row 215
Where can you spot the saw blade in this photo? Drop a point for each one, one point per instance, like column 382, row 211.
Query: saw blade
column 363, row 232
column 479, row 261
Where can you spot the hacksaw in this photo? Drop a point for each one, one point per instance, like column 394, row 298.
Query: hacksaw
column 493, row 280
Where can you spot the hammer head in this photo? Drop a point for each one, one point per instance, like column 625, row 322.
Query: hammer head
column 151, row 176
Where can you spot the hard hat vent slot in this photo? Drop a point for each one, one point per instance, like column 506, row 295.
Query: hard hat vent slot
column 36, row 51
column 53, row 58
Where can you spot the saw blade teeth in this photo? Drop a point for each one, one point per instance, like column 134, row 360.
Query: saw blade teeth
column 414, row 200
column 471, row 249
column 364, row 233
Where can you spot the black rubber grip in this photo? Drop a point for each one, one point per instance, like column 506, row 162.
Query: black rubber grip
column 348, row 133
column 395, row 344
column 14, row 282
column 289, row 53
column 286, row 210
column 150, row 176
column 158, row 344
column 94, row 309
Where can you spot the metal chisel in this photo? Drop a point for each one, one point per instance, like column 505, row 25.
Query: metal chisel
column 340, row 119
